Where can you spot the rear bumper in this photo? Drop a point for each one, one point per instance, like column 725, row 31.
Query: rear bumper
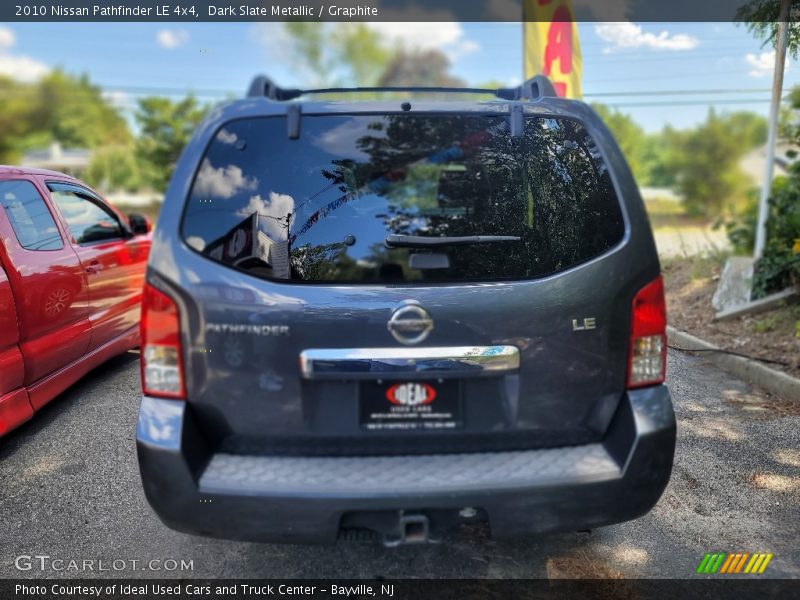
column 304, row 499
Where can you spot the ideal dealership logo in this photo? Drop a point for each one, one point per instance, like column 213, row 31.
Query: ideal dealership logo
column 738, row 563
column 411, row 394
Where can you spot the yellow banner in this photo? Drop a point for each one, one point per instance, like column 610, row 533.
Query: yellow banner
column 551, row 45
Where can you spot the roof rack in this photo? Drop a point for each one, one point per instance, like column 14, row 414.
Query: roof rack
column 532, row 89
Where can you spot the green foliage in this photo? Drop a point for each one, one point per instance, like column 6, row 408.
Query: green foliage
column 360, row 48
column 114, row 168
column 655, row 167
column 166, row 127
column 59, row 107
column 761, row 19
column 779, row 266
column 702, row 163
column 705, row 266
column 705, row 161
column 351, row 54
column 16, row 120
column 747, row 127
column 765, row 325
column 419, row 68
column 308, row 49
column 630, row 137
column 741, row 227
column 355, row 55
column 74, row 112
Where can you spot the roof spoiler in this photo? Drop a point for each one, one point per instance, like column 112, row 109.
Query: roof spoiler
column 532, row 89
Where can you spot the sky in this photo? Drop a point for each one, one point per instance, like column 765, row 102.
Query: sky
column 659, row 73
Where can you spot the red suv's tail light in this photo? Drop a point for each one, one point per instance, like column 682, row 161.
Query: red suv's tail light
column 162, row 369
column 647, row 358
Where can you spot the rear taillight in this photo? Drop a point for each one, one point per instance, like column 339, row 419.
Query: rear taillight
column 162, row 371
column 647, row 359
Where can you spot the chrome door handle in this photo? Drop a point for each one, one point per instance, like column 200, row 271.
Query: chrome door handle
column 94, row 267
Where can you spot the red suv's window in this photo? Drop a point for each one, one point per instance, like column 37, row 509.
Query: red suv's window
column 87, row 220
column 29, row 216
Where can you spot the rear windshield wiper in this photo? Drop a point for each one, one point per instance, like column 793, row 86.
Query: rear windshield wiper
column 419, row 241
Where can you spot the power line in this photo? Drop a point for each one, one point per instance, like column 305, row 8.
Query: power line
column 677, row 92
column 140, row 90
column 688, row 103
column 690, row 75
column 693, row 57
column 148, row 90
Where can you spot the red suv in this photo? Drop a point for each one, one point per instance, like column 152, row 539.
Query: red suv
column 71, row 275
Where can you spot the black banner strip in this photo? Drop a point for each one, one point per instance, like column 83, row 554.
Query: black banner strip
column 408, row 589
column 369, row 10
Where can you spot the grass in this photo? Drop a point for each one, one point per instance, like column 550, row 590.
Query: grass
column 706, row 265
column 765, row 325
column 702, row 266
column 668, row 213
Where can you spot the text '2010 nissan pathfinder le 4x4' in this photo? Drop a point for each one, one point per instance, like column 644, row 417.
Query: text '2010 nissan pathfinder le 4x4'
column 399, row 315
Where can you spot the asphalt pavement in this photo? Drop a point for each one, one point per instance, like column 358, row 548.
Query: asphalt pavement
column 70, row 490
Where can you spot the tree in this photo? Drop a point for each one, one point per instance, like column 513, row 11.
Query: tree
column 72, row 111
column 351, row 54
column 356, row 55
column 779, row 265
column 16, row 120
column 361, row 49
column 114, row 168
column 761, row 19
column 59, row 107
column 748, row 127
column 705, row 161
column 417, row 67
column 165, row 129
column 630, row 137
column 655, row 163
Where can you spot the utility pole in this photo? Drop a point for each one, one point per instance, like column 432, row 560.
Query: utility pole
column 774, row 111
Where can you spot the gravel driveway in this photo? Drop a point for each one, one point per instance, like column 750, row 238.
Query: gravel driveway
column 69, row 489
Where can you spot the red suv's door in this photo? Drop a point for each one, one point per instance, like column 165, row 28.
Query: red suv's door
column 47, row 280
column 15, row 408
column 113, row 260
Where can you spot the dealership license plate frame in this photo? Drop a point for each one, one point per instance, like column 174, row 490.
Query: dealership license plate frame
column 444, row 413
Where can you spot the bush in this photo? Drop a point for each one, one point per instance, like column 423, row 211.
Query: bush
column 114, row 168
column 741, row 228
column 779, row 266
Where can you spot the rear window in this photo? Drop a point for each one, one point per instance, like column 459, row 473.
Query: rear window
column 370, row 199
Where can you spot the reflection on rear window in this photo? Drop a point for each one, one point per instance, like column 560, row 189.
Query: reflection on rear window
column 320, row 208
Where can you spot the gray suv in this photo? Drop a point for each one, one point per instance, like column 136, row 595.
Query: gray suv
column 397, row 316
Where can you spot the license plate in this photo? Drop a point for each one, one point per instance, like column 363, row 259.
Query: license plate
column 410, row 405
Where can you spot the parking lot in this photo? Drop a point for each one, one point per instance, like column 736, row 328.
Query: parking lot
column 69, row 489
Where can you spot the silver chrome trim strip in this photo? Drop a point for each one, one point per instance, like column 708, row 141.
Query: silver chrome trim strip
column 369, row 363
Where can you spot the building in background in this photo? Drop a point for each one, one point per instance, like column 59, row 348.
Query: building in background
column 72, row 161
column 753, row 163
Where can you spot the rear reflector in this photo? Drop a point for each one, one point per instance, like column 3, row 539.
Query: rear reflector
column 647, row 359
column 162, row 371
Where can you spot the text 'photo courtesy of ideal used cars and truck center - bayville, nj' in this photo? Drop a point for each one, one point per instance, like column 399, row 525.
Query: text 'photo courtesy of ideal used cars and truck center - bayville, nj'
column 389, row 299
